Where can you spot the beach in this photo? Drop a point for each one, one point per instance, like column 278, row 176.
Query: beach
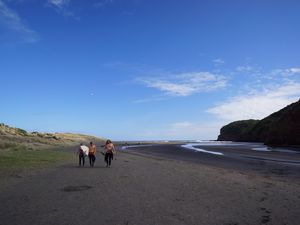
column 147, row 187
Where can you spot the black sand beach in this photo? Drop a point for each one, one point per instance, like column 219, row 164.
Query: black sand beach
column 157, row 185
column 238, row 157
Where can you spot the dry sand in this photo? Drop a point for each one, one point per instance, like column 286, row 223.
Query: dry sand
column 150, row 190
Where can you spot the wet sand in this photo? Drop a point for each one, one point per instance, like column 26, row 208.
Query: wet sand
column 236, row 158
column 158, row 188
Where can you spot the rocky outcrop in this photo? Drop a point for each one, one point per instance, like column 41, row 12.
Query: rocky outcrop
column 237, row 130
column 280, row 128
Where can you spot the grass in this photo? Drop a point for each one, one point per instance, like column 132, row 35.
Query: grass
column 23, row 153
column 16, row 156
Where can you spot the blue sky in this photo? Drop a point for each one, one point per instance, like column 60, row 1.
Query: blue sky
column 137, row 69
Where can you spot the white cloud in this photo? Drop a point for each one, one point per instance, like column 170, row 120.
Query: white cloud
column 285, row 72
column 13, row 22
column 102, row 3
column 294, row 70
column 218, row 61
column 258, row 105
column 246, row 68
column 59, row 3
column 185, row 84
column 62, row 8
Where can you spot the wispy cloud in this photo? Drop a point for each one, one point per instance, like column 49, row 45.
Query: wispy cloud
column 258, row 105
column 245, row 68
column 102, row 3
column 285, row 72
column 218, row 62
column 13, row 22
column 185, row 84
column 66, row 8
column 295, row 70
column 259, row 72
column 62, row 7
column 59, row 3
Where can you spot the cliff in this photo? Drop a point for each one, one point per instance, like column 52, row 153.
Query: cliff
column 280, row 128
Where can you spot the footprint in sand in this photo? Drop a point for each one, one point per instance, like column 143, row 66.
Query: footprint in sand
column 262, row 199
column 265, row 219
column 266, row 216
column 76, row 188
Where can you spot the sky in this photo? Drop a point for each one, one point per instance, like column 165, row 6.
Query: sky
column 146, row 70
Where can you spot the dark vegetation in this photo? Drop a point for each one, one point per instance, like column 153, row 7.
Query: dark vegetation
column 280, row 128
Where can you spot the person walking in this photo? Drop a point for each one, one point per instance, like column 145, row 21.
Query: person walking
column 92, row 154
column 110, row 150
column 81, row 155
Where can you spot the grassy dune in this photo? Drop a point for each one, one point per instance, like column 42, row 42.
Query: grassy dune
column 21, row 150
column 17, row 156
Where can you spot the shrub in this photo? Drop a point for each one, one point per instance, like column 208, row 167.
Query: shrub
column 22, row 132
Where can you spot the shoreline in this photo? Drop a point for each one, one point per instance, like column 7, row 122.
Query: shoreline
column 260, row 164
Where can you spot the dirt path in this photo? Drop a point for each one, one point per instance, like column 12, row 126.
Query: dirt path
column 149, row 190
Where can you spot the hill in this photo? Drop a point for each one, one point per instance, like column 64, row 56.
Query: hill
column 279, row 128
column 10, row 136
column 236, row 131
